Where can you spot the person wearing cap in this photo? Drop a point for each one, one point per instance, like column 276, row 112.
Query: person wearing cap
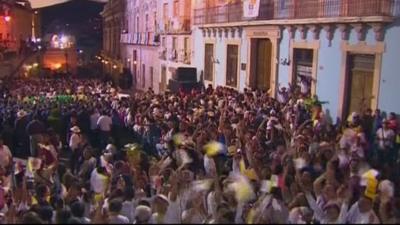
column 160, row 207
column 75, row 142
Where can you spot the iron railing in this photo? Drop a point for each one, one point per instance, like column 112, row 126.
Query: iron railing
column 299, row 9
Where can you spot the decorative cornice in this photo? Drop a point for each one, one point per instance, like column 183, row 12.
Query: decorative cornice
column 220, row 31
column 226, row 31
column 233, row 30
column 292, row 31
column 345, row 29
column 379, row 29
column 203, row 32
column 240, row 31
column 330, row 30
column 214, row 30
column 303, row 31
column 316, row 30
column 209, row 32
column 361, row 29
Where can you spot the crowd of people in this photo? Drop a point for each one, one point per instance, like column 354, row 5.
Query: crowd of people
column 80, row 151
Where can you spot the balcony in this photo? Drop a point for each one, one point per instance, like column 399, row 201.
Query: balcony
column 299, row 9
column 162, row 53
column 184, row 56
column 142, row 38
column 179, row 25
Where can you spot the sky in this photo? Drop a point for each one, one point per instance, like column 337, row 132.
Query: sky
column 45, row 3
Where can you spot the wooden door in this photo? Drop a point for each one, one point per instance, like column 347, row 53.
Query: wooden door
column 232, row 65
column 208, row 62
column 163, row 85
column 263, row 64
column 361, row 78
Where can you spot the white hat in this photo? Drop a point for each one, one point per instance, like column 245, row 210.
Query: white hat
column 162, row 197
column 75, row 129
column 354, row 114
column 21, row 113
column 143, row 213
column 111, row 148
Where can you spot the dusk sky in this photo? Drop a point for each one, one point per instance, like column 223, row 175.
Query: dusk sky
column 44, row 3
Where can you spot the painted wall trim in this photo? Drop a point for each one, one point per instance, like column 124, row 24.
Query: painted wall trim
column 360, row 48
column 315, row 46
column 273, row 33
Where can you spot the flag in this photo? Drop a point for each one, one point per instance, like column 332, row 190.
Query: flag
column 242, row 188
column 213, row 148
column 251, row 8
column 202, row 185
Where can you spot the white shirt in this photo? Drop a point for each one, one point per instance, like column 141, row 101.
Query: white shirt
column 209, row 166
column 119, row 219
column 98, row 182
column 356, row 217
column 386, row 137
column 321, row 216
column 74, row 141
column 5, row 156
column 128, row 210
column 93, row 120
column 104, row 123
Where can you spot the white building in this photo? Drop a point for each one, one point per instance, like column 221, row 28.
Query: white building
column 140, row 43
column 176, row 37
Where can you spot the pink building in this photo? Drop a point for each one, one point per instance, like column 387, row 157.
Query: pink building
column 140, row 41
column 176, row 37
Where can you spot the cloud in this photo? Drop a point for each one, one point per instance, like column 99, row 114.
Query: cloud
column 45, row 3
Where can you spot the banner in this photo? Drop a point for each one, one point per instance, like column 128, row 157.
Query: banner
column 251, row 8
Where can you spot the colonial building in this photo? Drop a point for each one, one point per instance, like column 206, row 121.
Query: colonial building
column 18, row 24
column 345, row 51
column 113, row 23
column 176, row 40
column 141, row 41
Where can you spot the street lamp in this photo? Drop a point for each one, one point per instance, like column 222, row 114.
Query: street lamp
column 7, row 18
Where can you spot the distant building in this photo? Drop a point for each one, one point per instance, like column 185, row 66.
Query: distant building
column 175, row 28
column 140, row 42
column 344, row 51
column 113, row 18
column 19, row 23
column 61, row 54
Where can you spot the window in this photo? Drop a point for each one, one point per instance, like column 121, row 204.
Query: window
column 208, row 62
column 165, row 11
column 174, row 43
column 155, row 22
column 137, row 24
column 147, row 23
column 151, row 76
column 232, row 65
column 186, row 44
column 164, row 42
column 143, row 76
column 176, row 8
column 303, row 67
